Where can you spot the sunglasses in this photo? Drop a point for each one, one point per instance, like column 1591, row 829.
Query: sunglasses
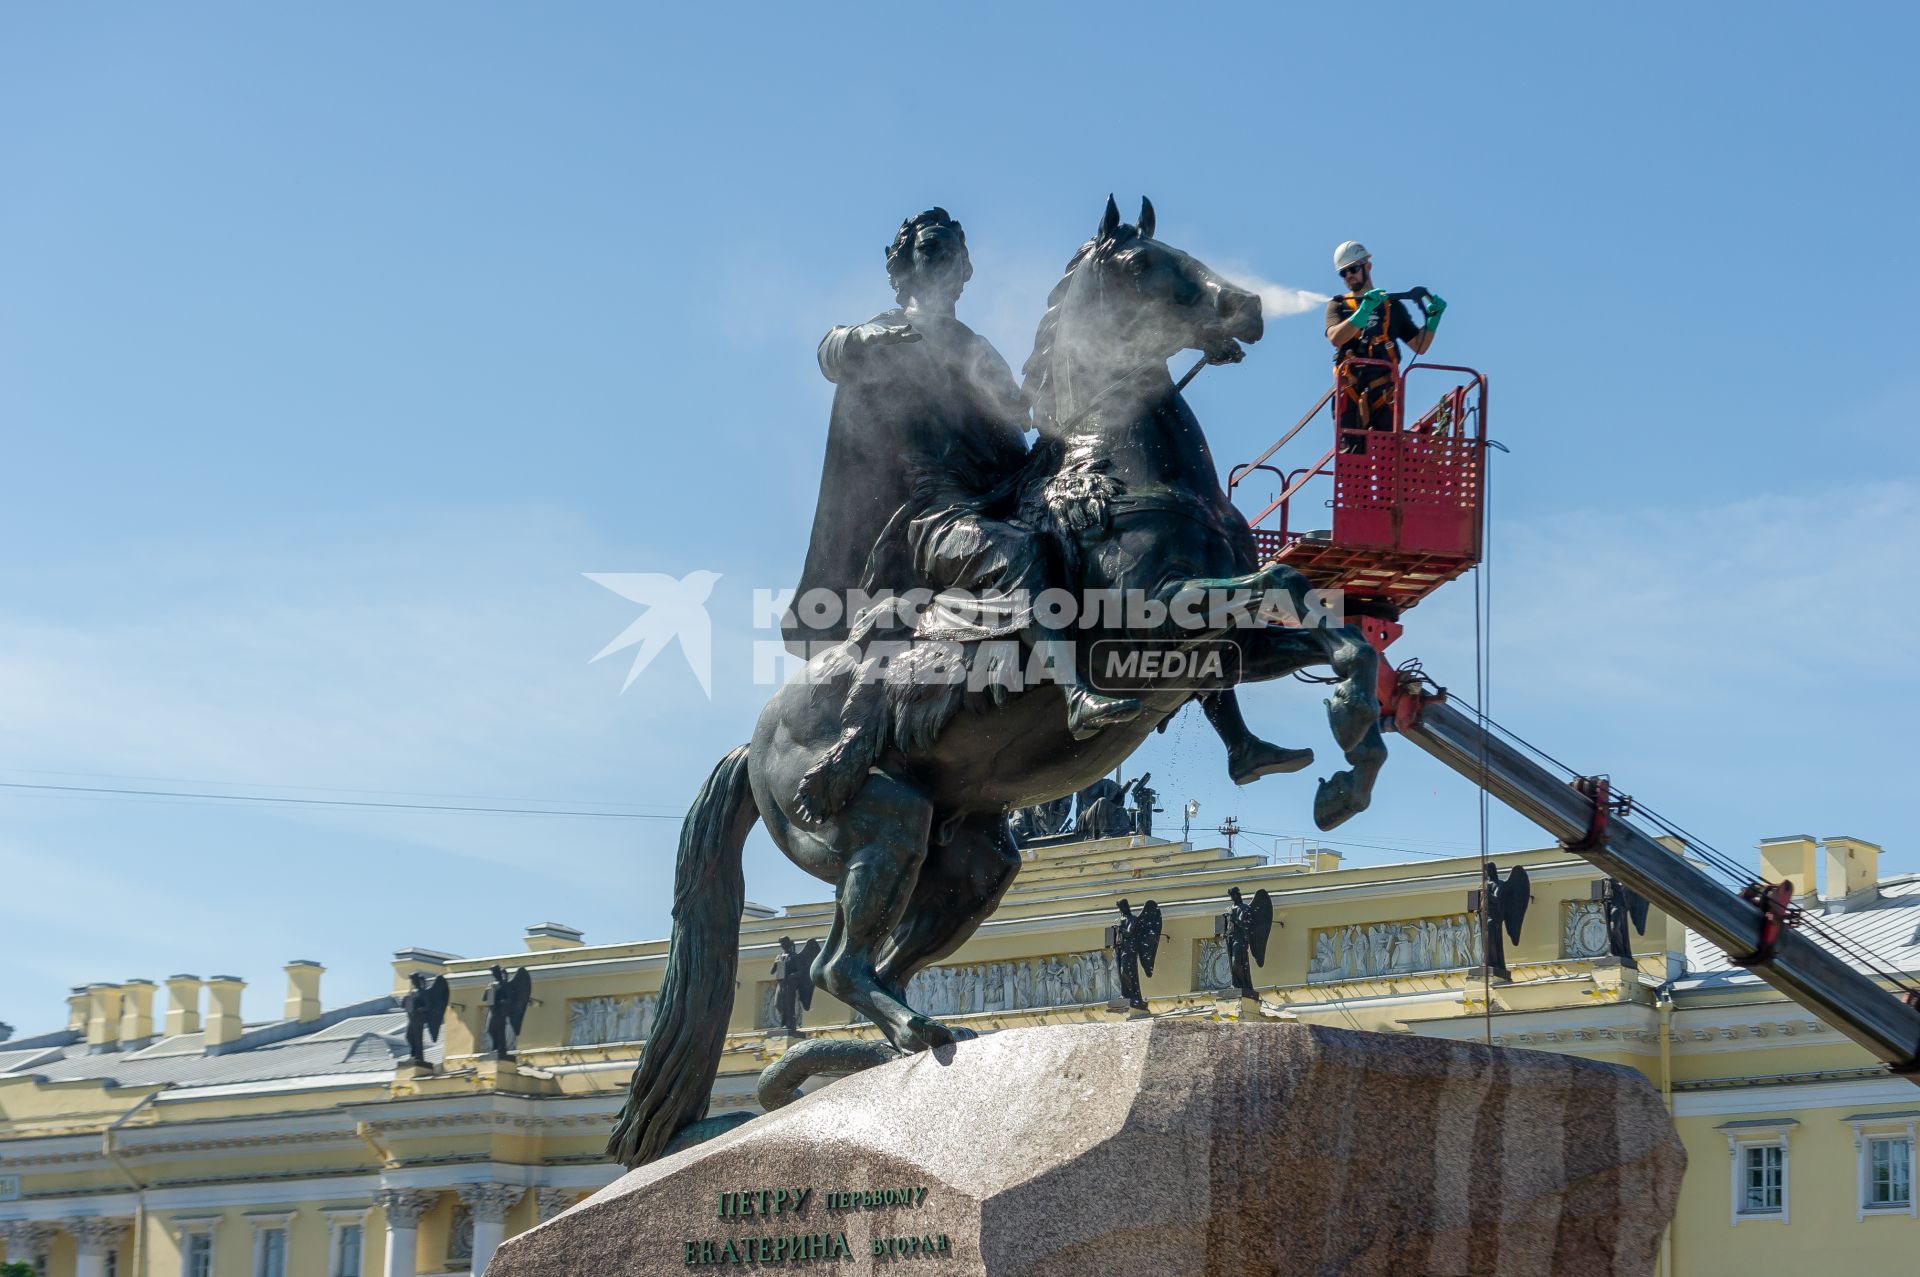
column 1358, row 268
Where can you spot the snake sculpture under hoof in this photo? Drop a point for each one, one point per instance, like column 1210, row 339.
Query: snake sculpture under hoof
column 890, row 776
column 780, row 1081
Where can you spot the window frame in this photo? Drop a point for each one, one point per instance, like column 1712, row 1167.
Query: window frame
column 339, row 1219
column 188, row 1227
column 1754, row 1159
column 187, row 1240
column 265, row 1222
column 1752, row 1136
column 1894, row 1128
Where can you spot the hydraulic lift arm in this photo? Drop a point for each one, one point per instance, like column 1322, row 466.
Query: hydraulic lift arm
column 1842, row 996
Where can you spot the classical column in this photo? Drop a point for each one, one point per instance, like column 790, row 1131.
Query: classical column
column 26, row 1238
column 489, row 1204
column 93, row 1237
column 551, row 1201
column 403, row 1208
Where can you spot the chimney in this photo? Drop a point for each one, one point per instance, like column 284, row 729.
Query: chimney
column 136, row 1013
column 183, row 1005
column 1853, row 868
column 408, row 961
column 303, row 990
column 103, row 1018
column 544, row 937
column 77, row 1009
column 223, row 1010
column 1790, row 859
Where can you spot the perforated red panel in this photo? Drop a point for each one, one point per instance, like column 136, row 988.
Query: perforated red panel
column 1409, row 493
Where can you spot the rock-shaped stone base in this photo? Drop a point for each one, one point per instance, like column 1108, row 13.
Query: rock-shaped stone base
column 1160, row 1148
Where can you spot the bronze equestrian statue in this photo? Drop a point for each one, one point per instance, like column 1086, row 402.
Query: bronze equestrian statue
column 888, row 769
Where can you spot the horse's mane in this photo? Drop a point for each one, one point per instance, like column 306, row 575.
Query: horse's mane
column 1037, row 373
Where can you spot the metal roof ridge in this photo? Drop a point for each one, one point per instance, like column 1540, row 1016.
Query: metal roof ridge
column 279, row 1031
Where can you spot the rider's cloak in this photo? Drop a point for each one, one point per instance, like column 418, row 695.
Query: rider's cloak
column 916, row 426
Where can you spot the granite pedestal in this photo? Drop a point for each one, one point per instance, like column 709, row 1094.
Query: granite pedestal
column 1159, row 1148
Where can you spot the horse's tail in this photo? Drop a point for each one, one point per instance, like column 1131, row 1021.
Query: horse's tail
column 674, row 1080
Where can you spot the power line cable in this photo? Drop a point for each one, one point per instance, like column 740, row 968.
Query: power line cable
column 104, row 790
column 323, row 789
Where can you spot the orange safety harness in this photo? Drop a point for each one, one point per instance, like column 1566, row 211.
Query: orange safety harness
column 1367, row 390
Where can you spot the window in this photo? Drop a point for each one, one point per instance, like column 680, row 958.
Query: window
column 196, row 1258
column 113, row 1263
column 346, row 1241
column 1884, row 1143
column 346, row 1251
column 1760, row 1187
column 270, row 1253
column 1763, row 1179
column 1889, row 1173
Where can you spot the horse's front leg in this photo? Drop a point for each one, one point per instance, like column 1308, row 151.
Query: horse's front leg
column 1353, row 708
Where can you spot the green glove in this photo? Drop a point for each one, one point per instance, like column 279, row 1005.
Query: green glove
column 1370, row 301
column 1436, row 307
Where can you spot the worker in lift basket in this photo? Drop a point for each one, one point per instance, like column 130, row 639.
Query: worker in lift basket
column 1364, row 323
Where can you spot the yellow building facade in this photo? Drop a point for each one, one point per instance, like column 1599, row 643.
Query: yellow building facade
column 157, row 1135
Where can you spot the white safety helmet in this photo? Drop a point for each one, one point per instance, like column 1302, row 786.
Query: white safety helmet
column 1350, row 252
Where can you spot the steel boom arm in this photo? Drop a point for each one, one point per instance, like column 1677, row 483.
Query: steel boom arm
column 1842, row 996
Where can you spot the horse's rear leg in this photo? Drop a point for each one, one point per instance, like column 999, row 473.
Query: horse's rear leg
column 960, row 884
column 882, row 834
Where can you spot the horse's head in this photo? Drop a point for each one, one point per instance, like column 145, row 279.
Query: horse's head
column 1127, row 301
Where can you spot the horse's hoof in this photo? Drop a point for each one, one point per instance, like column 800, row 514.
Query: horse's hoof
column 1338, row 800
column 1351, row 716
column 1263, row 758
column 923, row 1033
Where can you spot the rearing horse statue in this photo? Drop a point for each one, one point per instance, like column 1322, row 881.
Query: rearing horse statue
column 913, row 834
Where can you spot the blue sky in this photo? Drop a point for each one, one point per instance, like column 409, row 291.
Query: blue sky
column 338, row 342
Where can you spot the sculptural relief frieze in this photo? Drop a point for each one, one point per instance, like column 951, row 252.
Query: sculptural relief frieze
column 1062, row 979
column 1367, row 950
column 595, row 1021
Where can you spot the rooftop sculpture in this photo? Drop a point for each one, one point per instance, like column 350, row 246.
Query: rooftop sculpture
column 506, row 1000
column 1246, row 925
column 425, row 1004
column 1135, row 941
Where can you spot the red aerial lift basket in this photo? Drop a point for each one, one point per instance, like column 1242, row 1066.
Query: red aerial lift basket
column 1405, row 503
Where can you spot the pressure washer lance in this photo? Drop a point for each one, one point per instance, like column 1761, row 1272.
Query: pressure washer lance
column 1417, row 295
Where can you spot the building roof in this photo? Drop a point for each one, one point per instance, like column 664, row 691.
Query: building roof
column 1887, row 927
column 351, row 1044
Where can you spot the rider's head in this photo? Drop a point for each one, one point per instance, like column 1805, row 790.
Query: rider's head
column 928, row 259
column 1355, row 265
column 786, row 943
